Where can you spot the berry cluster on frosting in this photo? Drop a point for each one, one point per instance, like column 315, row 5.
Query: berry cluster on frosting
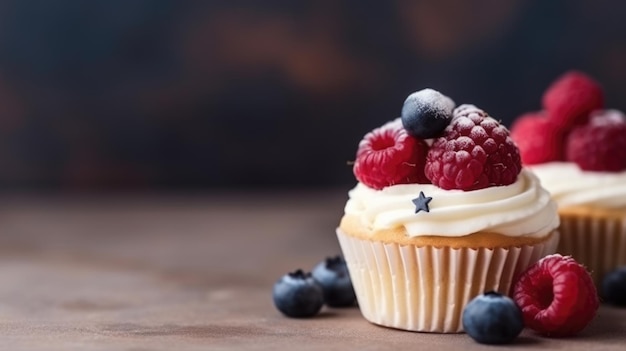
column 459, row 148
column 573, row 127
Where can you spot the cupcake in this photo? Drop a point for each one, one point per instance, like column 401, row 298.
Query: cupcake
column 578, row 151
column 442, row 212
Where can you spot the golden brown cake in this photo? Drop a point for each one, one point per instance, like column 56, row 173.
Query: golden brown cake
column 578, row 151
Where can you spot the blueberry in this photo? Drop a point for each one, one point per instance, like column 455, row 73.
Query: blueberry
column 492, row 318
column 426, row 113
column 298, row 295
column 332, row 275
column 614, row 287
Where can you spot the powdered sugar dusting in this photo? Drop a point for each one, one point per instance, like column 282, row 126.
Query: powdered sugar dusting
column 607, row 117
column 464, row 123
column 489, row 123
column 466, row 109
column 430, row 98
column 479, row 134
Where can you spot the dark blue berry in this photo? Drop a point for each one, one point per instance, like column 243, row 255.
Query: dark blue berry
column 614, row 287
column 492, row 318
column 333, row 276
column 298, row 295
column 426, row 113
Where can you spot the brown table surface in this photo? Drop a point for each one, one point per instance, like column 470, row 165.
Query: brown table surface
column 193, row 273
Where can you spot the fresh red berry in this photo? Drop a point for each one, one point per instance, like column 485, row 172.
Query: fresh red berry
column 599, row 145
column 539, row 140
column 389, row 155
column 571, row 98
column 557, row 296
column 474, row 152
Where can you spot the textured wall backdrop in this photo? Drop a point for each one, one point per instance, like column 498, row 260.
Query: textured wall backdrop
column 154, row 94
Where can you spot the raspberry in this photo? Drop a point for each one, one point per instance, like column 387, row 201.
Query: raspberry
column 571, row 98
column 539, row 140
column 557, row 296
column 474, row 152
column 599, row 145
column 389, row 155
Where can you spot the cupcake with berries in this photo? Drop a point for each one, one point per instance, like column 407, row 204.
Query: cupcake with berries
column 578, row 151
column 443, row 211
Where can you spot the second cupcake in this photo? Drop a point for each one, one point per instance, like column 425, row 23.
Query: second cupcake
column 578, row 151
column 443, row 212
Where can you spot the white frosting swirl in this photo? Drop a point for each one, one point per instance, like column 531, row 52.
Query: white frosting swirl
column 523, row 208
column 571, row 186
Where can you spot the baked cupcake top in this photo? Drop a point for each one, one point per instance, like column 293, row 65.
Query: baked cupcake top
column 445, row 171
column 575, row 147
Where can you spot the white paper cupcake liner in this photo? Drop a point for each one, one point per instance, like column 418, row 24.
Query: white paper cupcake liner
column 426, row 288
column 597, row 243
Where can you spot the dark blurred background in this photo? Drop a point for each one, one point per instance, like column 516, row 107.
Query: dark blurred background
column 196, row 95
